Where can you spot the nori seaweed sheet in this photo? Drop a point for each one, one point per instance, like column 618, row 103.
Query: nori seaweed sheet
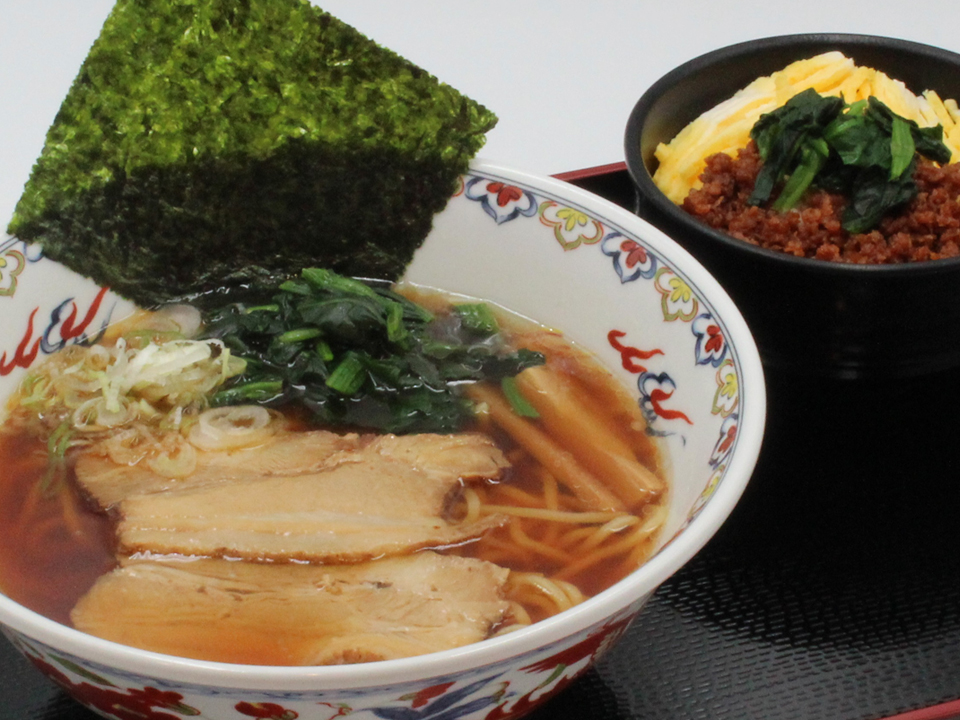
column 228, row 143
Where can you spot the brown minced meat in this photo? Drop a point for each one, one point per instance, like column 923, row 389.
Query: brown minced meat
column 927, row 228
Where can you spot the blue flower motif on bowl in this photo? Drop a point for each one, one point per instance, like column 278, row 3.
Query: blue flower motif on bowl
column 711, row 346
column 501, row 201
column 631, row 260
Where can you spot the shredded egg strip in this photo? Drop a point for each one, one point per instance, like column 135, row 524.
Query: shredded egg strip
column 726, row 127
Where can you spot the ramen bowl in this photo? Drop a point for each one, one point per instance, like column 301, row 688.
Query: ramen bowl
column 547, row 250
column 809, row 317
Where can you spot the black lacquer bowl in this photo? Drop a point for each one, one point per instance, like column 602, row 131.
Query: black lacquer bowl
column 809, row 316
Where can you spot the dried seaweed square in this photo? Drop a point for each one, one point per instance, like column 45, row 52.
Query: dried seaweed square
column 211, row 143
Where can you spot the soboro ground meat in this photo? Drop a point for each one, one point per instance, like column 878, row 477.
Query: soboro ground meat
column 927, row 228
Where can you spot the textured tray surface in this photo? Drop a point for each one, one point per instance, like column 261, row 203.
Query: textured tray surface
column 833, row 593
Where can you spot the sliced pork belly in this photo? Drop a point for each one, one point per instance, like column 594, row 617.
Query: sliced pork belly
column 297, row 614
column 467, row 456
column 367, row 506
column 284, row 453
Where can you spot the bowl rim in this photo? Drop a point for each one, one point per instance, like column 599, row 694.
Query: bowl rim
column 493, row 651
column 648, row 191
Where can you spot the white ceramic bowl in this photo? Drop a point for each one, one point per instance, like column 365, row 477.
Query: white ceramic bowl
column 540, row 247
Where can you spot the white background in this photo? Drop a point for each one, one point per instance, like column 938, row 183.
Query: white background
column 561, row 75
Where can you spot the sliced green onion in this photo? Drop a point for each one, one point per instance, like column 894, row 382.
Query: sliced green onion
column 325, row 351
column 262, row 308
column 299, row 335
column 59, row 441
column 135, row 336
column 348, row 377
column 439, row 350
column 249, row 392
column 57, row 445
column 324, row 279
column 478, row 318
column 521, row 406
column 33, row 391
column 396, row 329
column 296, row 288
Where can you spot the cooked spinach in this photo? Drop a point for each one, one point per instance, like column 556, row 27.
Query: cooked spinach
column 783, row 135
column 863, row 150
column 362, row 355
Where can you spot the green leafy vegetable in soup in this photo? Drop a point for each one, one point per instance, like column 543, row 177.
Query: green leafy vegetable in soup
column 363, row 355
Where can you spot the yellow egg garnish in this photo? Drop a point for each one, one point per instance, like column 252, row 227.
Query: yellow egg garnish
column 726, row 127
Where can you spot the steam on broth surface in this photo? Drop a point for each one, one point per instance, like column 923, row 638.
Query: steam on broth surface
column 250, row 534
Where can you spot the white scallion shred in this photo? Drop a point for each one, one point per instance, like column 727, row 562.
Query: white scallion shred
column 99, row 388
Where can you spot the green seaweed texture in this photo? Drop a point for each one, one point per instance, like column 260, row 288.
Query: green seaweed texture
column 229, row 143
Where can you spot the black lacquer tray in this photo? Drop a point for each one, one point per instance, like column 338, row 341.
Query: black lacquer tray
column 832, row 593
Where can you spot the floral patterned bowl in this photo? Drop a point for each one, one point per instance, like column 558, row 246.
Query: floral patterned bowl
column 540, row 247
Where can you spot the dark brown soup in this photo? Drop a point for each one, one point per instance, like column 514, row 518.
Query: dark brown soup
column 53, row 547
column 580, row 505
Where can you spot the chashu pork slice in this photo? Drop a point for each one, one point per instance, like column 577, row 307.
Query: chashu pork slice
column 369, row 505
column 289, row 452
column 297, row 614
column 467, row 456
column 283, row 453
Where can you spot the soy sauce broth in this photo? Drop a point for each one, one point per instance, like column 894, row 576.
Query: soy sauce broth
column 53, row 547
